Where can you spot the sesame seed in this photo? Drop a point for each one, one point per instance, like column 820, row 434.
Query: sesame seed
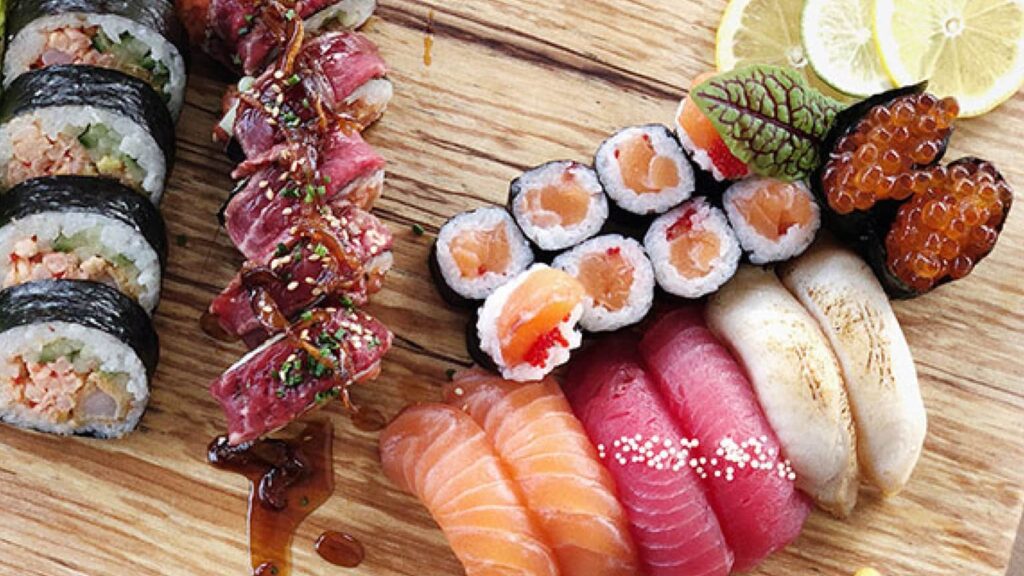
column 293, row 286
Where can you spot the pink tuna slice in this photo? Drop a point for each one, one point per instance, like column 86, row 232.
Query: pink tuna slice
column 708, row 394
column 256, row 399
column 365, row 238
column 260, row 214
column 671, row 520
column 329, row 67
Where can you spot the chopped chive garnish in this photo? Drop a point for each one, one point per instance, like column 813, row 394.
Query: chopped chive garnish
column 182, row 240
column 418, row 230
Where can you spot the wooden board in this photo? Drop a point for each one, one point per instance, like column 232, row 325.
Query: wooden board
column 513, row 83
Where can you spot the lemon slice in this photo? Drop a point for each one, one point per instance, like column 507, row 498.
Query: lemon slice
column 840, row 45
column 972, row 50
column 764, row 32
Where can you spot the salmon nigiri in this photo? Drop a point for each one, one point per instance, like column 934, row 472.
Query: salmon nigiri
column 760, row 509
column 440, row 455
column 673, row 525
column 534, row 432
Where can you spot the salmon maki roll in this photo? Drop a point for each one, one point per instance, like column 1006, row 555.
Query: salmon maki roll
column 797, row 379
column 750, row 488
column 673, row 524
column 528, row 327
column 693, row 249
column 534, row 432
column 773, row 220
column 644, row 170
column 558, row 205
column 440, row 455
column 702, row 140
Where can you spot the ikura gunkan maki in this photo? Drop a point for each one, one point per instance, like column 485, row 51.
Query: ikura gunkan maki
column 75, row 358
column 558, row 205
column 918, row 223
column 644, row 170
column 774, row 220
column 87, row 121
column 528, row 326
column 693, row 249
column 142, row 39
column 618, row 279
column 80, row 228
column 476, row 253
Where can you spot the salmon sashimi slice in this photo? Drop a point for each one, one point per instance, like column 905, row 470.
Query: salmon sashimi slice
column 607, row 277
column 705, row 389
column 440, row 455
column 644, row 170
column 673, row 525
column 477, row 252
column 534, row 432
column 775, row 207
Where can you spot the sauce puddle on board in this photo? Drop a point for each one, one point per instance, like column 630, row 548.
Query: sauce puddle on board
column 289, row 479
column 340, row 549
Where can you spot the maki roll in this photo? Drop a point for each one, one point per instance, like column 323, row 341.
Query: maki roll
column 142, row 39
column 618, row 279
column 476, row 253
column 85, row 121
column 79, row 228
column 75, row 358
column 774, row 220
column 528, row 326
column 693, row 248
column 918, row 223
column 644, row 170
column 558, row 205
column 703, row 142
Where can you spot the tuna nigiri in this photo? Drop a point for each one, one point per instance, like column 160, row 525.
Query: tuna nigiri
column 440, row 455
column 846, row 299
column 797, row 380
column 756, row 502
column 673, row 525
column 534, row 432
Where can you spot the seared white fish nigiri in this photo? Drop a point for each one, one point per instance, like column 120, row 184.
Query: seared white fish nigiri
column 851, row 307
column 797, row 379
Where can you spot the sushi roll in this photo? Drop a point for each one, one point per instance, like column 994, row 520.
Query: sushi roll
column 702, row 141
column 142, row 39
column 476, row 253
column 644, row 170
column 773, row 220
column 528, row 326
column 693, row 249
column 75, row 358
column 558, row 205
column 618, row 279
column 85, row 121
column 81, row 228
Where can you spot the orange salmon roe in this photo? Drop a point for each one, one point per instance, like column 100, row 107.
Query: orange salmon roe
column 878, row 159
column 944, row 230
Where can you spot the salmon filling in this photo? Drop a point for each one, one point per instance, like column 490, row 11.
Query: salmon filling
column 643, row 170
column 89, row 151
column 607, row 278
column 693, row 249
column 93, row 47
column 531, row 320
column 775, row 208
column 478, row 252
column 33, row 260
column 564, row 204
column 62, row 386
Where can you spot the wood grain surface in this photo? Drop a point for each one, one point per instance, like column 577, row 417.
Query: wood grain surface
column 513, row 83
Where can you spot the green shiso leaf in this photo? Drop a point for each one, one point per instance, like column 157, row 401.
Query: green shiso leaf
column 769, row 117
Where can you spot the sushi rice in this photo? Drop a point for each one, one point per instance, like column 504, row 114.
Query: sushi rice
column 656, row 197
column 800, row 218
column 541, row 222
column 672, row 236
column 519, row 255
column 598, row 316
column 29, row 44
